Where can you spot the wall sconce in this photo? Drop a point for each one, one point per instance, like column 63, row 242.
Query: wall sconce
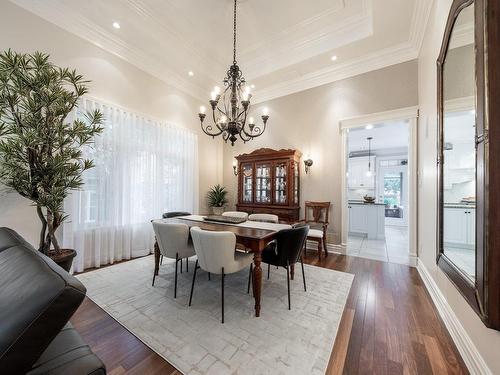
column 235, row 167
column 308, row 163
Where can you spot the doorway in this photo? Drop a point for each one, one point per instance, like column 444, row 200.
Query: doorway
column 379, row 188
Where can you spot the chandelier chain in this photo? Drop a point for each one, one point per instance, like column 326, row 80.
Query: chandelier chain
column 234, row 33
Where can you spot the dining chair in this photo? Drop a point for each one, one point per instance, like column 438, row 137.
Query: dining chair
column 238, row 214
column 173, row 242
column 215, row 252
column 265, row 218
column 285, row 252
column 171, row 214
column 318, row 223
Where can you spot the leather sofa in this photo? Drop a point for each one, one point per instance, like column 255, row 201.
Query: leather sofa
column 37, row 299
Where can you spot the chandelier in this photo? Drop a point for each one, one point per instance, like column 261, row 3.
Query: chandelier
column 231, row 106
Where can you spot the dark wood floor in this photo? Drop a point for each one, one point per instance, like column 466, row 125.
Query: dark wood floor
column 389, row 326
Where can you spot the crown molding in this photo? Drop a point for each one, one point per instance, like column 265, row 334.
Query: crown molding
column 397, row 54
column 82, row 27
column 386, row 57
column 293, row 45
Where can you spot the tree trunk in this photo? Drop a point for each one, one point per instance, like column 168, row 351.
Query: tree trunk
column 42, row 244
column 52, row 229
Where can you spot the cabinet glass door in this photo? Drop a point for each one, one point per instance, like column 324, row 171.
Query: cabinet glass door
column 247, row 186
column 280, row 183
column 263, row 183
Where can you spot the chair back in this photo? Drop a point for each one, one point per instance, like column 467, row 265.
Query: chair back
column 168, row 215
column 289, row 244
column 265, row 218
column 213, row 249
column 172, row 238
column 238, row 214
column 318, row 210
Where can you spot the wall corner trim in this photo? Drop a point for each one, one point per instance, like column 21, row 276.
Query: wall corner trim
column 471, row 356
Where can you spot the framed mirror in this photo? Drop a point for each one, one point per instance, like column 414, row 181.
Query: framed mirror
column 468, row 163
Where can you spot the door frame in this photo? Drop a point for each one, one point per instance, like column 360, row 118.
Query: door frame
column 409, row 114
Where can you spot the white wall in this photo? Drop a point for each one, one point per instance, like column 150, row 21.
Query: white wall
column 114, row 81
column 486, row 340
column 309, row 121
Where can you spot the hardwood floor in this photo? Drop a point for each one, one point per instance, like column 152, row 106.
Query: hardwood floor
column 389, row 326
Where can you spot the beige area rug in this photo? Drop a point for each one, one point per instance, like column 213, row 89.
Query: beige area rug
column 192, row 338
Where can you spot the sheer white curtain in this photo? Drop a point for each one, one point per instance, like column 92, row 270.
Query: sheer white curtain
column 143, row 167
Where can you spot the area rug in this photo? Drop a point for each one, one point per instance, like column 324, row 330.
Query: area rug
column 280, row 341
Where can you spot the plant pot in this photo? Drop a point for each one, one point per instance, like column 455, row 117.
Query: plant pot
column 217, row 210
column 65, row 259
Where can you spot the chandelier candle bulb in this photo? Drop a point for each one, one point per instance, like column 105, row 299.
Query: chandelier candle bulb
column 230, row 105
column 265, row 111
column 202, row 109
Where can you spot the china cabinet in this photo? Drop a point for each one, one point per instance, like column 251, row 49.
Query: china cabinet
column 269, row 182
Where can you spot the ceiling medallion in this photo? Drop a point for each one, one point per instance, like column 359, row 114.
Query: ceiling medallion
column 230, row 108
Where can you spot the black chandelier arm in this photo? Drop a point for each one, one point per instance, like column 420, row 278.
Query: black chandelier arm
column 244, row 134
column 208, row 129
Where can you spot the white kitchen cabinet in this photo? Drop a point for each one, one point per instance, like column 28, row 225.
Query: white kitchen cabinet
column 357, row 168
column 459, row 226
column 367, row 219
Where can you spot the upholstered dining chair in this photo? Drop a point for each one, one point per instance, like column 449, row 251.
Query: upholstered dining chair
column 173, row 242
column 318, row 223
column 171, row 214
column 238, row 214
column 266, row 218
column 215, row 252
column 286, row 251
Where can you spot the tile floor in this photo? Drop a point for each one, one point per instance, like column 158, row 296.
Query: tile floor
column 464, row 259
column 393, row 249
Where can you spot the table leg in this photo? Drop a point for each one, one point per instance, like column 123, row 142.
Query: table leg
column 257, row 281
column 157, row 258
column 292, row 271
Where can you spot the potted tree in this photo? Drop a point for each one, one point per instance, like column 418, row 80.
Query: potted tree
column 40, row 148
column 217, row 199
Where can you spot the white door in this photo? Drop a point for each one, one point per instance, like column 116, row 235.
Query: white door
column 392, row 189
column 471, row 227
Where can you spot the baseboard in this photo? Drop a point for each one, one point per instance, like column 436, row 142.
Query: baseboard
column 471, row 356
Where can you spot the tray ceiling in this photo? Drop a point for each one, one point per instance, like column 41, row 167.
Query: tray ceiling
column 283, row 46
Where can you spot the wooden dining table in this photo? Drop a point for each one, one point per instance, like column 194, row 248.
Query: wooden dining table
column 254, row 239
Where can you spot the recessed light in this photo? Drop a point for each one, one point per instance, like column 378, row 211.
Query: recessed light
column 116, row 25
column 252, row 86
column 334, row 57
column 369, row 126
column 191, row 73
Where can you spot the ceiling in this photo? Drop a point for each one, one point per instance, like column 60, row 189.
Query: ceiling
column 283, row 46
column 386, row 136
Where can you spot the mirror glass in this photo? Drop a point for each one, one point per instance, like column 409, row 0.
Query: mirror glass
column 459, row 154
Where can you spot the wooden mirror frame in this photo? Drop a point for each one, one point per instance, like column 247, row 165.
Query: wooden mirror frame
column 483, row 294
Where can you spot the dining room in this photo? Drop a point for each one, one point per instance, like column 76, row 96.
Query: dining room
column 248, row 187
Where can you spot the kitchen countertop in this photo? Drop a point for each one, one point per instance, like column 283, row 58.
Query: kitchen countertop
column 460, row 205
column 366, row 204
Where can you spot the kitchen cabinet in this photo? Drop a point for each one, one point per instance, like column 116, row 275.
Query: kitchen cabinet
column 357, row 169
column 367, row 219
column 459, row 226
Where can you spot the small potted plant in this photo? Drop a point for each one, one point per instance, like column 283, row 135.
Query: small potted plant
column 217, row 199
column 40, row 149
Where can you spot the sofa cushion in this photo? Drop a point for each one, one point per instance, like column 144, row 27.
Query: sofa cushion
column 68, row 354
column 37, row 298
